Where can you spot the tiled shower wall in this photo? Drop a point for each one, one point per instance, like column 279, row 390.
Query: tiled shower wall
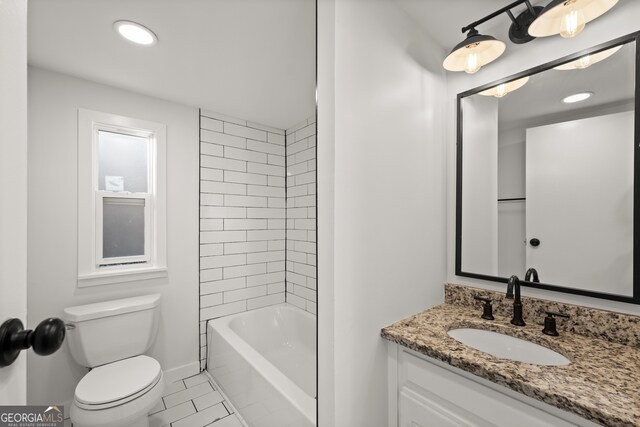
column 242, row 217
column 301, row 215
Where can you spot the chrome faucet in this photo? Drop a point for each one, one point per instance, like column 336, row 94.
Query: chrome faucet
column 514, row 285
column 531, row 272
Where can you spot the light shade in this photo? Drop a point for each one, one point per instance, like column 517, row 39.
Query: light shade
column 577, row 97
column 505, row 88
column 588, row 60
column 135, row 33
column 568, row 17
column 474, row 52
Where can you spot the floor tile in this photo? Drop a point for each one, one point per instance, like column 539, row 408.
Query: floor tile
column 202, row 418
column 159, row 407
column 207, row 400
column 195, row 380
column 173, row 388
column 172, row 414
column 230, row 421
column 187, row 394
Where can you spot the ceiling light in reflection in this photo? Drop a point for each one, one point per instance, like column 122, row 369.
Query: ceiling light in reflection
column 135, row 33
column 577, row 97
column 504, row 89
column 588, row 60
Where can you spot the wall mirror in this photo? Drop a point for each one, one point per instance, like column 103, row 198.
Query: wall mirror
column 548, row 175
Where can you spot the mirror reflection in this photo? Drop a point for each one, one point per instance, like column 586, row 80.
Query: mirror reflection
column 548, row 175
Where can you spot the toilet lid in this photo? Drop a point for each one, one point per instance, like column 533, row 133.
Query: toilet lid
column 118, row 380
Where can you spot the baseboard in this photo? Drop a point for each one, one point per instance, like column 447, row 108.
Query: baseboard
column 184, row 371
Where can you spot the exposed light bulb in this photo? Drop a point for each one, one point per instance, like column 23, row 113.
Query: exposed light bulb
column 573, row 21
column 583, row 62
column 472, row 64
column 501, row 91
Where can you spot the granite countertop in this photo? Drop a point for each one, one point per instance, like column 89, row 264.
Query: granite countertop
column 602, row 384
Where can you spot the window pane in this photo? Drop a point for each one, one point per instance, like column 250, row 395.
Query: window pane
column 122, row 227
column 122, row 162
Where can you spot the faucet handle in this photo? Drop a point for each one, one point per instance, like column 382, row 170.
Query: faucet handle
column 550, row 323
column 487, row 308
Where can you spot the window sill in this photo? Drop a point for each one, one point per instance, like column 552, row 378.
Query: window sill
column 121, row 276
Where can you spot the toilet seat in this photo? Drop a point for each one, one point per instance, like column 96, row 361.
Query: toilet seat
column 117, row 383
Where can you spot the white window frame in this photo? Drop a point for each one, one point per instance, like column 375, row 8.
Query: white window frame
column 93, row 268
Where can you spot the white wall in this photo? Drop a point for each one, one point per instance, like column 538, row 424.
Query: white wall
column 13, row 185
column 54, row 100
column 615, row 23
column 381, row 193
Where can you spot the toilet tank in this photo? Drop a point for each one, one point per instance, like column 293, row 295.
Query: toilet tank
column 112, row 330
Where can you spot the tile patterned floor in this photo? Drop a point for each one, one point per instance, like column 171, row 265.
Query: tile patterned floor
column 193, row 402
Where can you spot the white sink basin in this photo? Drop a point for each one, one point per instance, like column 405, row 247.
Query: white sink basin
column 506, row 347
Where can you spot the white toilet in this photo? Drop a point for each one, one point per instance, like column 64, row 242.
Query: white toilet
column 110, row 337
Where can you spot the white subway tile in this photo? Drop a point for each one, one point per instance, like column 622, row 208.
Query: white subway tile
column 265, row 147
column 297, row 147
column 266, row 213
column 311, row 212
column 245, row 247
column 265, row 235
column 264, row 279
column 311, row 236
column 305, row 293
column 244, row 270
column 241, row 154
column 306, row 132
column 276, row 245
column 265, row 169
column 223, row 188
column 296, row 300
column 245, row 201
column 265, row 128
column 311, row 282
column 211, row 224
column 245, row 224
column 275, row 288
column 245, row 178
column 307, row 270
column 245, row 132
column 312, row 164
column 222, row 117
column 311, row 259
column 223, row 310
column 222, row 212
column 210, row 300
column 289, row 287
column 210, row 124
column 303, row 201
column 209, row 275
column 211, row 199
column 211, row 149
column 275, row 266
column 276, row 181
column 276, row 224
column 276, row 202
column 207, row 174
column 307, row 247
column 211, row 249
column 297, row 235
column 243, row 294
column 291, row 181
column 222, row 163
column 305, row 178
column 222, row 236
column 298, row 190
column 305, row 155
column 298, row 168
column 254, row 258
column 298, row 279
column 263, row 190
column 274, row 159
column 222, row 285
column 296, row 256
column 305, row 224
column 222, row 139
column 223, row 261
column 297, row 213
column 260, row 302
column 203, row 327
column 275, row 138
column 312, row 307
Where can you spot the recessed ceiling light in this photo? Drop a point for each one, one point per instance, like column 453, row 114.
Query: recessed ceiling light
column 577, row 97
column 135, row 33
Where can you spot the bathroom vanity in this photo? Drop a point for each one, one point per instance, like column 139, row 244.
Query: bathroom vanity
column 436, row 380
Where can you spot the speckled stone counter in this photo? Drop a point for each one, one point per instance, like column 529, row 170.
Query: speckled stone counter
column 602, row 384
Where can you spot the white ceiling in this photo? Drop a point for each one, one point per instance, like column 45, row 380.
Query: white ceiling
column 252, row 59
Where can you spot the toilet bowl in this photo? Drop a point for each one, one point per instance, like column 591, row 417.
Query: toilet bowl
column 123, row 385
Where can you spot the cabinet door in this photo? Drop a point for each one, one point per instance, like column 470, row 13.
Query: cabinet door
column 417, row 411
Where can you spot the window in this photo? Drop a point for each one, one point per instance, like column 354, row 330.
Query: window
column 121, row 197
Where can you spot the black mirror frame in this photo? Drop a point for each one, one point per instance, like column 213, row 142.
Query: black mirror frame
column 635, row 299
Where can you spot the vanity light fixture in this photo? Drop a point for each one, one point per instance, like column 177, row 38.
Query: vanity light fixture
column 577, row 97
column 505, row 88
column 568, row 17
column 135, row 33
column 588, row 60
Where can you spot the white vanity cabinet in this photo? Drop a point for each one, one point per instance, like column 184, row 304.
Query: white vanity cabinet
column 424, row 392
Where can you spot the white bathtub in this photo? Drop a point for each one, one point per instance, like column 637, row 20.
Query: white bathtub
column 265, row 362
